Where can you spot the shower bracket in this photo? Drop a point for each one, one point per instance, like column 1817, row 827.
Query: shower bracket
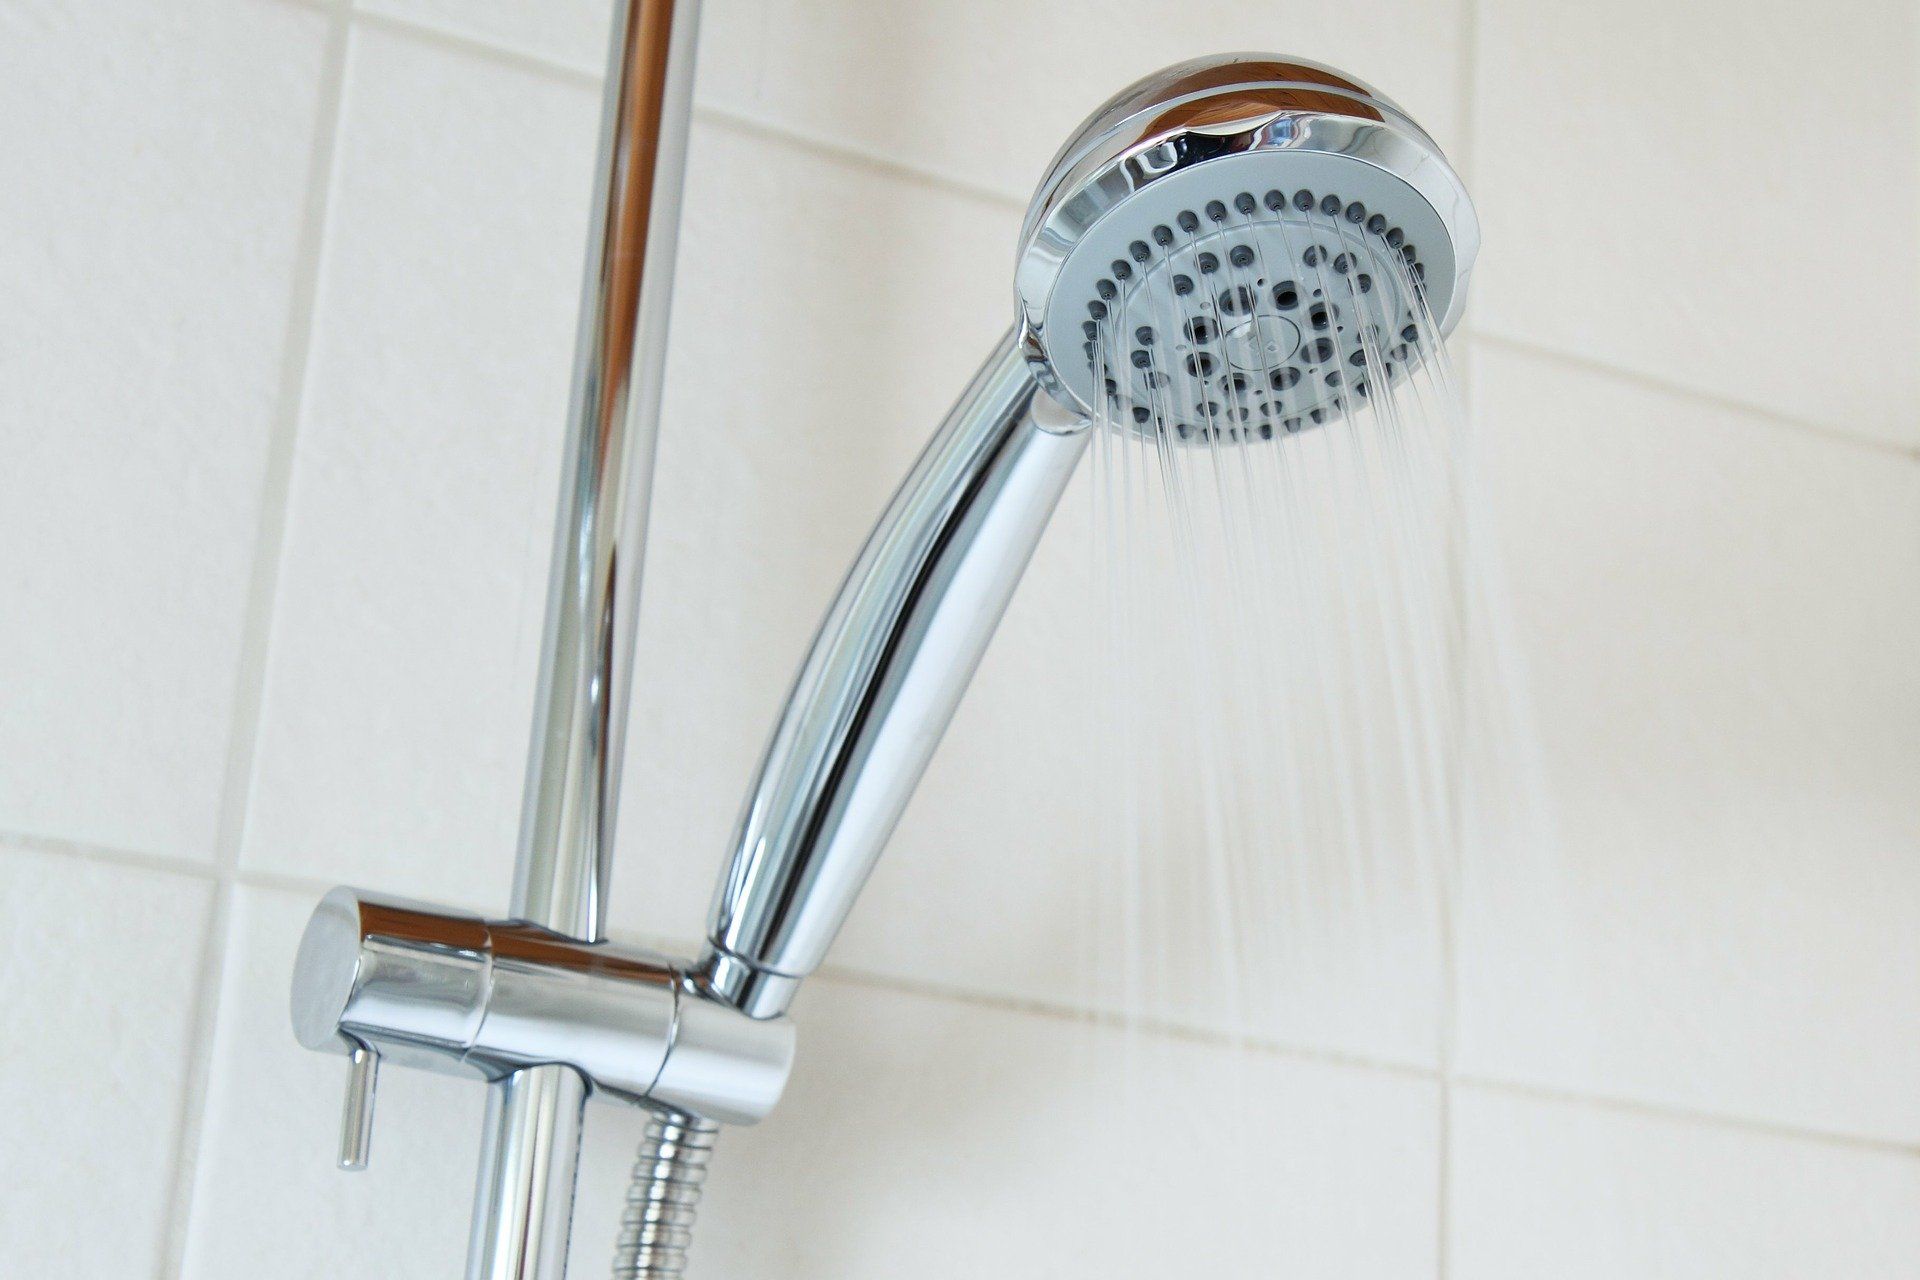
column 381, row 978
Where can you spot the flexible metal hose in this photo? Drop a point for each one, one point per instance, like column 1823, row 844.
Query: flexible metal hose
column 664, row 1197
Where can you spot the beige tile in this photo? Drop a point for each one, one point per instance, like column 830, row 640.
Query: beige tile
column 918, row 1133
column 982, row 94
column 406, row 630
column 1714, row 616
column 100, row 967
column 267, row 1199
column 1570, row 1190
column 156, row 160
column 1718, row 195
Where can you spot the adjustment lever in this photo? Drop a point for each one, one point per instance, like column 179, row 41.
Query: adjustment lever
column 356, row 1117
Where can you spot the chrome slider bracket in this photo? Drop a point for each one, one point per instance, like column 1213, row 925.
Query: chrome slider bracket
column 383, row 978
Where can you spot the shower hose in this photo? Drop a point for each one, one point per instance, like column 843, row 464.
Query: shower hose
column 663, row 1197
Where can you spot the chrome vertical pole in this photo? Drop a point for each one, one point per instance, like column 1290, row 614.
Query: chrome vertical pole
column 523, row 1207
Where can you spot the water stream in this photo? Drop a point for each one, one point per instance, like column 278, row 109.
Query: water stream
column 1308, row 707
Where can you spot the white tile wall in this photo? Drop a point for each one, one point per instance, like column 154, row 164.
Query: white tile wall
column 1731, row 200
column 1718, row 634
column 570, row 33
column 406, row 629
column 1715, row 605
column 101, row 968
column 156, row 160
column 1546, row 1188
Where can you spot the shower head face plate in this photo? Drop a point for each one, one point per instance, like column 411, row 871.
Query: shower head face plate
column 1241, row 244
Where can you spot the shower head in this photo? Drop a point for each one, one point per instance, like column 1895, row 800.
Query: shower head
column 1241, row 245
column 1242, row 239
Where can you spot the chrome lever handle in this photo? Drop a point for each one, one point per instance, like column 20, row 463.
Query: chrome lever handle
column 356, row 1116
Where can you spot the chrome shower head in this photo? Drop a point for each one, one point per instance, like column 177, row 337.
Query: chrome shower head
column 1240, row 241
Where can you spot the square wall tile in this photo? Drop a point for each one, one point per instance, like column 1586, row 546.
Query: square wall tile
column 1713, row 617
column 576, row 33
column 1578, row 1191
column 1721, row 194
column 982, row 94
column 406, row 631
column 916, row 1129
column 267, row 1199
column 157, row 160
column 100, row 966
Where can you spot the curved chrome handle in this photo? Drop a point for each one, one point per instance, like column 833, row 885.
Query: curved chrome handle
column 886, row 671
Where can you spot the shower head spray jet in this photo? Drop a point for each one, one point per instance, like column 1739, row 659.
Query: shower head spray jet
column 1232, row 248
column 1239, row 235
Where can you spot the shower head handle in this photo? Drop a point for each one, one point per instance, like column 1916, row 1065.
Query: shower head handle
column 887, row 669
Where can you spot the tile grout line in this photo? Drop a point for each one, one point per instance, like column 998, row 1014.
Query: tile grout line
column 1695, row 395
column 1681, row 1115
column 853, row 157
column 1160, row 1028
column 164, row 863
column 262, row 590
column 724, row 117
column 112, row 856
column 1568, row 1097
column 476, row 46
column 1451, row 888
